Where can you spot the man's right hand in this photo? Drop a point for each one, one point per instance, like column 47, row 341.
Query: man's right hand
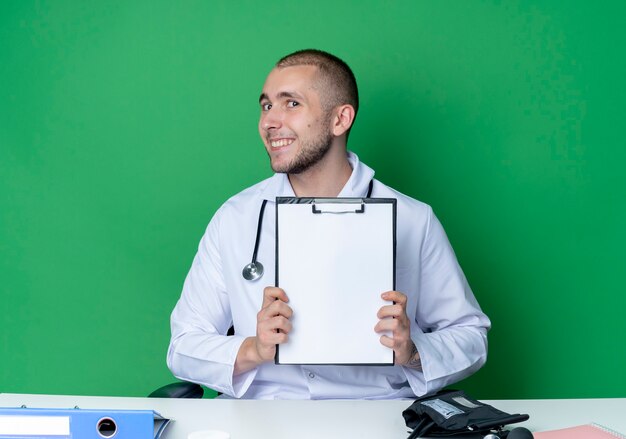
column 272, row 328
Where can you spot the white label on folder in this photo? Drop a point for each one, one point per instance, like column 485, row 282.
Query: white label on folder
column 26, row 425
column 443, row 408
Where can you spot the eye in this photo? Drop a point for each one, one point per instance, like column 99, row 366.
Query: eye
column 292, row 104
column 266, row 107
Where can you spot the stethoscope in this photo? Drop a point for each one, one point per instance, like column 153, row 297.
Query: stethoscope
column 254, row 270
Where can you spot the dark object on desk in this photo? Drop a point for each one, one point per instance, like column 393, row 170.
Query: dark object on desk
column 453, row 413
column 520, row 433
column 516, row 433
column 182, row 389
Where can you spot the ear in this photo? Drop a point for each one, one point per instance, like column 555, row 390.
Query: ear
column 343, row 116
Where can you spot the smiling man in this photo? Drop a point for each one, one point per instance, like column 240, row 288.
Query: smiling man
column 436, row 328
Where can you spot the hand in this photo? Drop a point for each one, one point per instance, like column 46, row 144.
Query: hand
column 272, row 328
column 272, row 323
column 393, row 318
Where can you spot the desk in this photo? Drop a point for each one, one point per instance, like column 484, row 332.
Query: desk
column 323, row 419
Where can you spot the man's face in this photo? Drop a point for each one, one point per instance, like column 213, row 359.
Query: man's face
column 294, row 127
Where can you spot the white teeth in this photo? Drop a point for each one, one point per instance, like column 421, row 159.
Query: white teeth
column 281, row 142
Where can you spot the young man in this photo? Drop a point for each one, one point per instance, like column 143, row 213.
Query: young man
column 438, row 332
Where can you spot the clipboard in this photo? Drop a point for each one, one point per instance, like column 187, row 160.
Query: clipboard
column 334, row 259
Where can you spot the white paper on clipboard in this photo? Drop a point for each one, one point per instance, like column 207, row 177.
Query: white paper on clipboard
column 334, row 258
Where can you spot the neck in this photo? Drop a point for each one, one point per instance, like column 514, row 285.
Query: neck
column 326, row 178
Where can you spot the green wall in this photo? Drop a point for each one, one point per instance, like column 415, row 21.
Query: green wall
column 125, row 124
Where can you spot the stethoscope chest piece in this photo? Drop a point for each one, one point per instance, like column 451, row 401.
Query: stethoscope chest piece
column 252, row 271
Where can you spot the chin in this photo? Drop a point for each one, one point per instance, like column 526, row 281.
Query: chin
column 278, row 167
column 280, row 164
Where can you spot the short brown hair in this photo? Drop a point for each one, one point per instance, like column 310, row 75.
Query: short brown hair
column 337, row 77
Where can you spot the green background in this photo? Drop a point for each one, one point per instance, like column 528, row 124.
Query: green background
column 124, row 125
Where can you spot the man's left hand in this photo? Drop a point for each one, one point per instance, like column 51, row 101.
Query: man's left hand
column 393, row 319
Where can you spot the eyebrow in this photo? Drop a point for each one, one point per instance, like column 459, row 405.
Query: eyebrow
column 281, row 95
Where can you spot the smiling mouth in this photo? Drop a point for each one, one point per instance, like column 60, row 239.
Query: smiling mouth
column 278, row 143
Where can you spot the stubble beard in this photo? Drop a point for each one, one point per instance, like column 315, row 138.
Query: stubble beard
column 310, row 154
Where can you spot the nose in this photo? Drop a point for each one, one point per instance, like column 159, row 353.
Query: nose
column 271, row 120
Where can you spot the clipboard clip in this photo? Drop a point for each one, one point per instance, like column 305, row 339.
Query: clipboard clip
column 338, row 207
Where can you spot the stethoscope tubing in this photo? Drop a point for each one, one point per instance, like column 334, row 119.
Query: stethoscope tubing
column 258, row 231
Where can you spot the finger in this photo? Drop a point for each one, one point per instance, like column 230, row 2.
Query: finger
column 269, row 332
column 395, row 326
column 276, row 308
column 386, row 341
column 395, row 343
column 271, row 294
column 269, row 339
column 277, row 323
column 395, row 296
column 396, row 311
